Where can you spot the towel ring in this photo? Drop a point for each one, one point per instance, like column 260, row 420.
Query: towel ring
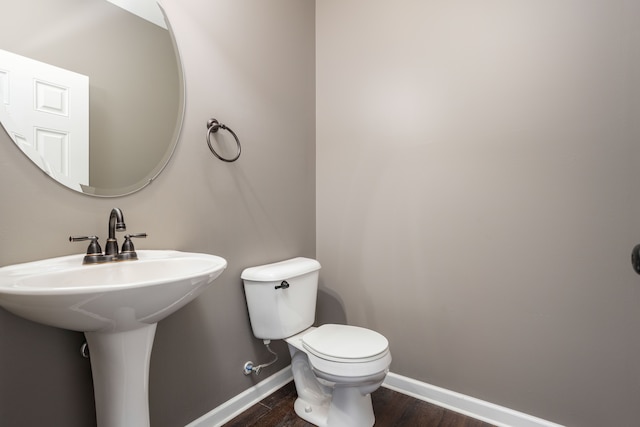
column 212, row 127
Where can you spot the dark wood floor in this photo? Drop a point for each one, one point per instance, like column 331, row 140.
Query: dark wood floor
column 392, row 409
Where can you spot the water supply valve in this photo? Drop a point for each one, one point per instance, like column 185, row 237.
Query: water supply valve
column 249, row 367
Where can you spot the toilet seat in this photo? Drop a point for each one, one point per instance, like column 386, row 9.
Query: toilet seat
column 344, row 343
column 348, row 351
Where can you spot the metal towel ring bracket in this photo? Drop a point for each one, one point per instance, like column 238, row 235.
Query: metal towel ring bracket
column 212, row 127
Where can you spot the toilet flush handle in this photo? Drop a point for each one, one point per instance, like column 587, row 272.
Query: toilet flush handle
column 283, row 285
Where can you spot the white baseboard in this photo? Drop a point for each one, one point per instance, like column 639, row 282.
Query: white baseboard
column 235, row 406
column 476, row 408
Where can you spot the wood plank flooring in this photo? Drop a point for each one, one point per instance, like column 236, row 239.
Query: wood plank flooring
column 392, row 409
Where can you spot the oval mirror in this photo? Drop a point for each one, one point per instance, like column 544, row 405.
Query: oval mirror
column 91, row 90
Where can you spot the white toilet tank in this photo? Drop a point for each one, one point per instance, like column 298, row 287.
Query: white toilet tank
column 281, row 297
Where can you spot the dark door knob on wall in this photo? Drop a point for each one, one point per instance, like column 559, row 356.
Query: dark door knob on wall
column 635, row 258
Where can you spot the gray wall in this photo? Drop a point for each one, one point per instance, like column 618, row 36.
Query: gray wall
column 475, row 191
column 477, row 194
column 250, row 64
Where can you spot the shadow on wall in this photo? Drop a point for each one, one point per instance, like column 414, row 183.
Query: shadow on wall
column 330, row 307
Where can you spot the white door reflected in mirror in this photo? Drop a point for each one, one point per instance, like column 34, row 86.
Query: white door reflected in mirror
column 46, row 112
column 136, row 85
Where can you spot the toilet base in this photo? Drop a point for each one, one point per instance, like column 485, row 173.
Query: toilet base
column 348, row 408
column 312, row 413
column 340, row 406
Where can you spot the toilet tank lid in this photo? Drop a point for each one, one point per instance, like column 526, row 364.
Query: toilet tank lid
column 281, row 270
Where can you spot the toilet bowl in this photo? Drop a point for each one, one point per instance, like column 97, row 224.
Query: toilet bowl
column 335, row 367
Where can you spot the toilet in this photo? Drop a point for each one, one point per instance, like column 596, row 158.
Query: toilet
column 335, row 367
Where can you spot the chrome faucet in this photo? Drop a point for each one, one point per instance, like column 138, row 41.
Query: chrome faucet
column 94, row 251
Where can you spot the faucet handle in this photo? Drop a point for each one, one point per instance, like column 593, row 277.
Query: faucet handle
column 136, row 235
column 94, row 247
column 128, row 252
column 94, row 251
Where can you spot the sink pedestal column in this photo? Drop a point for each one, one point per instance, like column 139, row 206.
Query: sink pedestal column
column 120, row 367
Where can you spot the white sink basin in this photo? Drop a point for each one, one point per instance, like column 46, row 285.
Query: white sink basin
column 117, row 305
column 114, row 296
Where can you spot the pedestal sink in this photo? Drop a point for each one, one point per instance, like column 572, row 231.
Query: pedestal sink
column 117, row 305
